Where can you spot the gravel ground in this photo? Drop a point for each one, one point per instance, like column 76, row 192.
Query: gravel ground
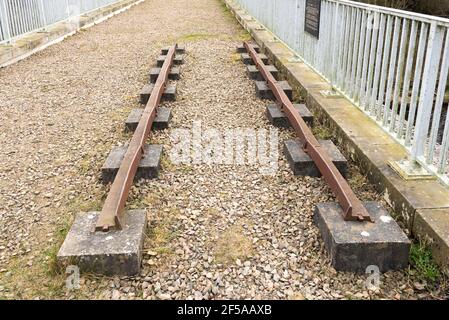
column 216, row 231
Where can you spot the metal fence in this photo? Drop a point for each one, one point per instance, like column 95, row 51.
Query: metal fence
column 18, row 17
column 392, row 64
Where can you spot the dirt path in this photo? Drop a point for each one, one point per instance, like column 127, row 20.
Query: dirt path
column 217, row 231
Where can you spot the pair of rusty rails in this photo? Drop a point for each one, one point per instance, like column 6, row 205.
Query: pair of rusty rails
column 353, row 209
column 112, row 214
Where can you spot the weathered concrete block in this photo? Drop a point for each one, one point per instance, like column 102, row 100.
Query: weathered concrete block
column 175, row 74
column 162, row 120
column 170, row 92
column 254, row 73
column 148, row 167
column 133, row 119
column 278, row 118
column 302, row 165
column 353, row 246
column 163, row 117
column 117, row 252
column 241, row 48
column 264, row 92
column 247, row 59
column 177, row 60
column 168, row 95
column 179, row 49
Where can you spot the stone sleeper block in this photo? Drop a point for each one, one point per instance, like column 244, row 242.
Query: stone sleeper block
column 278, row 118
column 174, row 74
column 117, row 252
column 353, row 245
column 133, row 119
column 179, row 49
column 302, row 165
column 177, row 60
column 241, row 48
column 163, row 117
column 247, row 59
column 168, row 95
column 264, row 92
column 148, row 167
column 254, row 73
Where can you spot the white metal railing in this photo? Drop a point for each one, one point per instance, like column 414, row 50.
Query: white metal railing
column 392, row 64
column 18, row 17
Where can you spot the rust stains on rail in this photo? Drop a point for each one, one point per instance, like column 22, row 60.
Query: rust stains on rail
column 353, row 209
column 112, row 214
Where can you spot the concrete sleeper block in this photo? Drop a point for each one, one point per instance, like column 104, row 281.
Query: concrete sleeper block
column 175, row 74
column 177, row 60
column 168, row 95
column 116, row 252
column 148, row 167
column 278, row 118
column 179, row 49
column 264, row 92
column 247, row 59
column 170, row 92
column 302, row 165
column 133, row 119
column 241, row 48
column 161, row 122
column 254, row 73
column 353, row 246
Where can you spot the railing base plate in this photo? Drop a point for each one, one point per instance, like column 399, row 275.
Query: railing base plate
column 410, row 170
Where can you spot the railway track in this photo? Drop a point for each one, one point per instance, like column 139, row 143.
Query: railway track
column 351, row 205
column 352, row 230
column 112, row 214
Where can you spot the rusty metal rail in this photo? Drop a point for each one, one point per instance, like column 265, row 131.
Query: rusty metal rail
column 112, row 214
column 353, row 209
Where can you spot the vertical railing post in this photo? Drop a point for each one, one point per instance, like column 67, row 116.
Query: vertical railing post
column 296, row 28
column 67, row 9
column 44, row 18
column 334, row 46
column 4, row 21
column 430, row 74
